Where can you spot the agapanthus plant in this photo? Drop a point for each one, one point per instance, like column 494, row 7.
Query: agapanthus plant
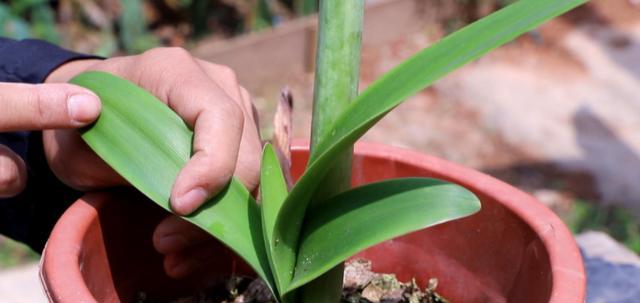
column 293, row 238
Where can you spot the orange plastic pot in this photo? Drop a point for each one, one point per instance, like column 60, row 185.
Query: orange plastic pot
column 513, row 250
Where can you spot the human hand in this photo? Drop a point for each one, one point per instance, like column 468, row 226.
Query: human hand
column 38, row 107
column 205, row 95
column 226, row 142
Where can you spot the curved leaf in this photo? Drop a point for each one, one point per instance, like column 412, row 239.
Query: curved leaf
column 147, row 144
column 406, row 79
column 273, row 191
column 368, row 215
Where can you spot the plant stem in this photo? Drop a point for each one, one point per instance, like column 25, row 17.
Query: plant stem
column 336, row 84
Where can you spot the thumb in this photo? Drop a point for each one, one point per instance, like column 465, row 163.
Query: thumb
column 13, row 173
column 46, row 106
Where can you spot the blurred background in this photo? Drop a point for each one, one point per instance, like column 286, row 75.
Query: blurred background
column 555, row 113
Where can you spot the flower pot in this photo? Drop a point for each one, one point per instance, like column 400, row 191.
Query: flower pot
column 513, row 250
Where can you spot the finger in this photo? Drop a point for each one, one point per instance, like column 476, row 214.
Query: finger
column 175, row 234
column 200, row 258
column 217, row 122
column 13, row 173
column 45, row 106
column 248, row 164
column 216, row 145
column 249, row 157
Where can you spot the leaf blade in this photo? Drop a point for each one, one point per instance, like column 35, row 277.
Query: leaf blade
column 273, row 191
column 392, row 207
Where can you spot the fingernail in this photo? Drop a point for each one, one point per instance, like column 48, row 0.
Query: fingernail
column 83, row 108
column 190, row 201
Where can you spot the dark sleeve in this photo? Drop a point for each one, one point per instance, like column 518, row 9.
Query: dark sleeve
column 30, row 216
column 31, row 61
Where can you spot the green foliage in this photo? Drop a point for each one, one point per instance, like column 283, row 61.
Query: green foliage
column 288, row 240
column 139, row 137
column 306, row 7
column 262, row 16
column 398, row 84
column 273, row 187
column 616, row 221
column 133, row 29
column 24, row 19
column 371, row 214
column 14, row 253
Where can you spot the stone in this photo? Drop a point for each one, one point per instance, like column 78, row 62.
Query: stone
column 613, row 271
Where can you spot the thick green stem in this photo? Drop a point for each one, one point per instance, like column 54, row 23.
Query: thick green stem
column 336, row 83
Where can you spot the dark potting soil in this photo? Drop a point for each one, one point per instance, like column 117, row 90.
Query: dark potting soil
column 361, row 285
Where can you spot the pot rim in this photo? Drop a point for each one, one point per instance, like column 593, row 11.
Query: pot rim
column 564, row 256
column 56, row 254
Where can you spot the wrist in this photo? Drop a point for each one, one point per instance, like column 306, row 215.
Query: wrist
column 66, row 71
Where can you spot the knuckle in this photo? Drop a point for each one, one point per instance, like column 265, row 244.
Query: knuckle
column 227, row 73
column 166, row 53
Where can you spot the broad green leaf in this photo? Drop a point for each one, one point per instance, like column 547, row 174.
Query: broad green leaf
column 406, row 79
column 273, row 191
column 368, row 215
column 147, row 144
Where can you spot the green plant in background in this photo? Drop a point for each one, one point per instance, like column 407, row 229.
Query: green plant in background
column 262, row 15
column 616, row 221
column 123, row 26
column 306, row 7
column 14, row 253
column 134, row 35
column 292, row 239
column 23, row 19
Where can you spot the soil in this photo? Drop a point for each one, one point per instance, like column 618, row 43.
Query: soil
column 361, row 285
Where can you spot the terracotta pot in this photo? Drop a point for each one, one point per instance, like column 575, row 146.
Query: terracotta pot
column 513, row 250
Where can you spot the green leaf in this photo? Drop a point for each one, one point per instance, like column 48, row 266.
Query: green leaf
column 273, row 191
column 408, row 78
column 368, row 215
column 147, row 144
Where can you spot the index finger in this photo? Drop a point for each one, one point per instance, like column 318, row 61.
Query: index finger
column 46, row 106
